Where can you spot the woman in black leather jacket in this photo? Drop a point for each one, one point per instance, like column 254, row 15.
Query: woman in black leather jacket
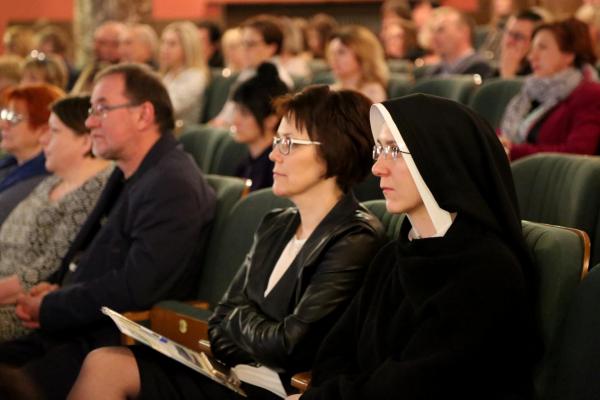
column 304, row 267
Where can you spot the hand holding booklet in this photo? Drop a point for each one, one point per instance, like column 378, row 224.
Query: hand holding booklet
column 200, row 361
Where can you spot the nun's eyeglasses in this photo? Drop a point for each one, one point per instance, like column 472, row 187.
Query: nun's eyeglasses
column 393, row 151
column 285, row 144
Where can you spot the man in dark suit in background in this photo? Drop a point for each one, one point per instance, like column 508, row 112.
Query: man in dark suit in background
column 139, row 245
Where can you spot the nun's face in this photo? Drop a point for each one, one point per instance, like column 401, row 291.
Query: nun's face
column 396, row 182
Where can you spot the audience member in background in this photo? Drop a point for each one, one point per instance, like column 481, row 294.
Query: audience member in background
column 139, row 44
column 423, row 323
column 18, row 40
column 209, row 34
column 393, row 11
column 106, row 52
column 137, row 247
column 399, row 40
column 262, row 40
column 452, row 41
column 40, row 67
column 293, row 57
column 22, row 124
column 10, row 75
column 36, row 235
column 305, row 264
column 558, row 107
column 358, row 63
column 590, row 14
column 516, row 42
column 184, row 70
column 501, row 11
column 53, row 40
column 318, row 33
column 233, row 52
column 255, row 123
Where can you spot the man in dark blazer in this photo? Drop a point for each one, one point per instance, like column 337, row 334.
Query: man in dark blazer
column 139, row 245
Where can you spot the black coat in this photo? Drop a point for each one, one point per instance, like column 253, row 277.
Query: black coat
column 284, row 329
column 139, row 245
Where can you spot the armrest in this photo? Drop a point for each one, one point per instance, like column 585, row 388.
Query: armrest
column 180, row 322
column 301, row 381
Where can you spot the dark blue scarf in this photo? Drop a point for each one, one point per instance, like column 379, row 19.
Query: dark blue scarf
column 33, row 167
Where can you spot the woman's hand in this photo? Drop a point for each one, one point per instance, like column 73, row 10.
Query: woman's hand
column 293, row 397
column 10, row 288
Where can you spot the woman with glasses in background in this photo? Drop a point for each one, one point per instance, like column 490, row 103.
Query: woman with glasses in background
column 304, row 267
column 36, row 235
column 22, row 124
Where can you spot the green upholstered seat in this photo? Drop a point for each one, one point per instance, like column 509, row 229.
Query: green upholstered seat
column 456, row 87
column 491, row 99
column 216, row 93
column 231, row 240
column 324, row 77
column 561, row 260
column 561, row 189
column 227, row 156
column 578, row 373
column 399, row 85
column 401, row 66
column 203, row 142
column 391, row 222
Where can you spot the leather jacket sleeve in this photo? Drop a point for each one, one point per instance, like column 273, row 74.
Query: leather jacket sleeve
column 241, row 333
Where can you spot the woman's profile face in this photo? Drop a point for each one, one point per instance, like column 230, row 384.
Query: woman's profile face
column 171, row 51
column 545, row 56
column 62, row 146
column 342, row 60
column 302, row 171
column 245, row 128
column 396, row 182
column 17, row 135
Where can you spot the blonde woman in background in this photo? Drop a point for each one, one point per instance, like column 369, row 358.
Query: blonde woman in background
column 184, row 69
column 40, row 67
column 357, row 60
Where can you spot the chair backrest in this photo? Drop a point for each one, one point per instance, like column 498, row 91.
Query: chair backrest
column 456, row 87
column 561, row 189
column 391, row 222
column 227, row 156
column 399, row 85
column 561, row 258
column 203, row 142
column 491, row 99
column 323, row 78
column 578, row 374
column 216, row 93
column 231, row 240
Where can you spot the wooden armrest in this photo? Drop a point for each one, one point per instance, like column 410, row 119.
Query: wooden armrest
column 178, row 326
column 301, row 381
column 200, row 304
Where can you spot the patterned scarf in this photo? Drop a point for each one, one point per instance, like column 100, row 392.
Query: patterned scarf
column 519, row 118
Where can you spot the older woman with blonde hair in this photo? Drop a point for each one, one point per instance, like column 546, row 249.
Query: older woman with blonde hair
column 358, row 62
column 184, row 69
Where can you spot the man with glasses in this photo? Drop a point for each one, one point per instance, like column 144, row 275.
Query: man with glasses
column 139, row 245
column 516, row 41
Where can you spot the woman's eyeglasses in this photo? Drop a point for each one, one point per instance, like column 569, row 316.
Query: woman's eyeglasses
column 285, row 144
column 393, row 151
column 10, row 116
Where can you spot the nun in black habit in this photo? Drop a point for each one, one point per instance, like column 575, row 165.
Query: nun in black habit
column 445, row 311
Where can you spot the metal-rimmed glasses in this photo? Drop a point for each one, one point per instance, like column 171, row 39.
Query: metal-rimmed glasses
column 285, row 143
column 100, row 110
column 393, row 151
column 10, row 116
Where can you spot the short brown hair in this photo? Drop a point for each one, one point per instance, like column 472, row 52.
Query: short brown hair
column 141, row 85
column 37, row 99
column 573, row 37
column 340, row 121
column 269, row 28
